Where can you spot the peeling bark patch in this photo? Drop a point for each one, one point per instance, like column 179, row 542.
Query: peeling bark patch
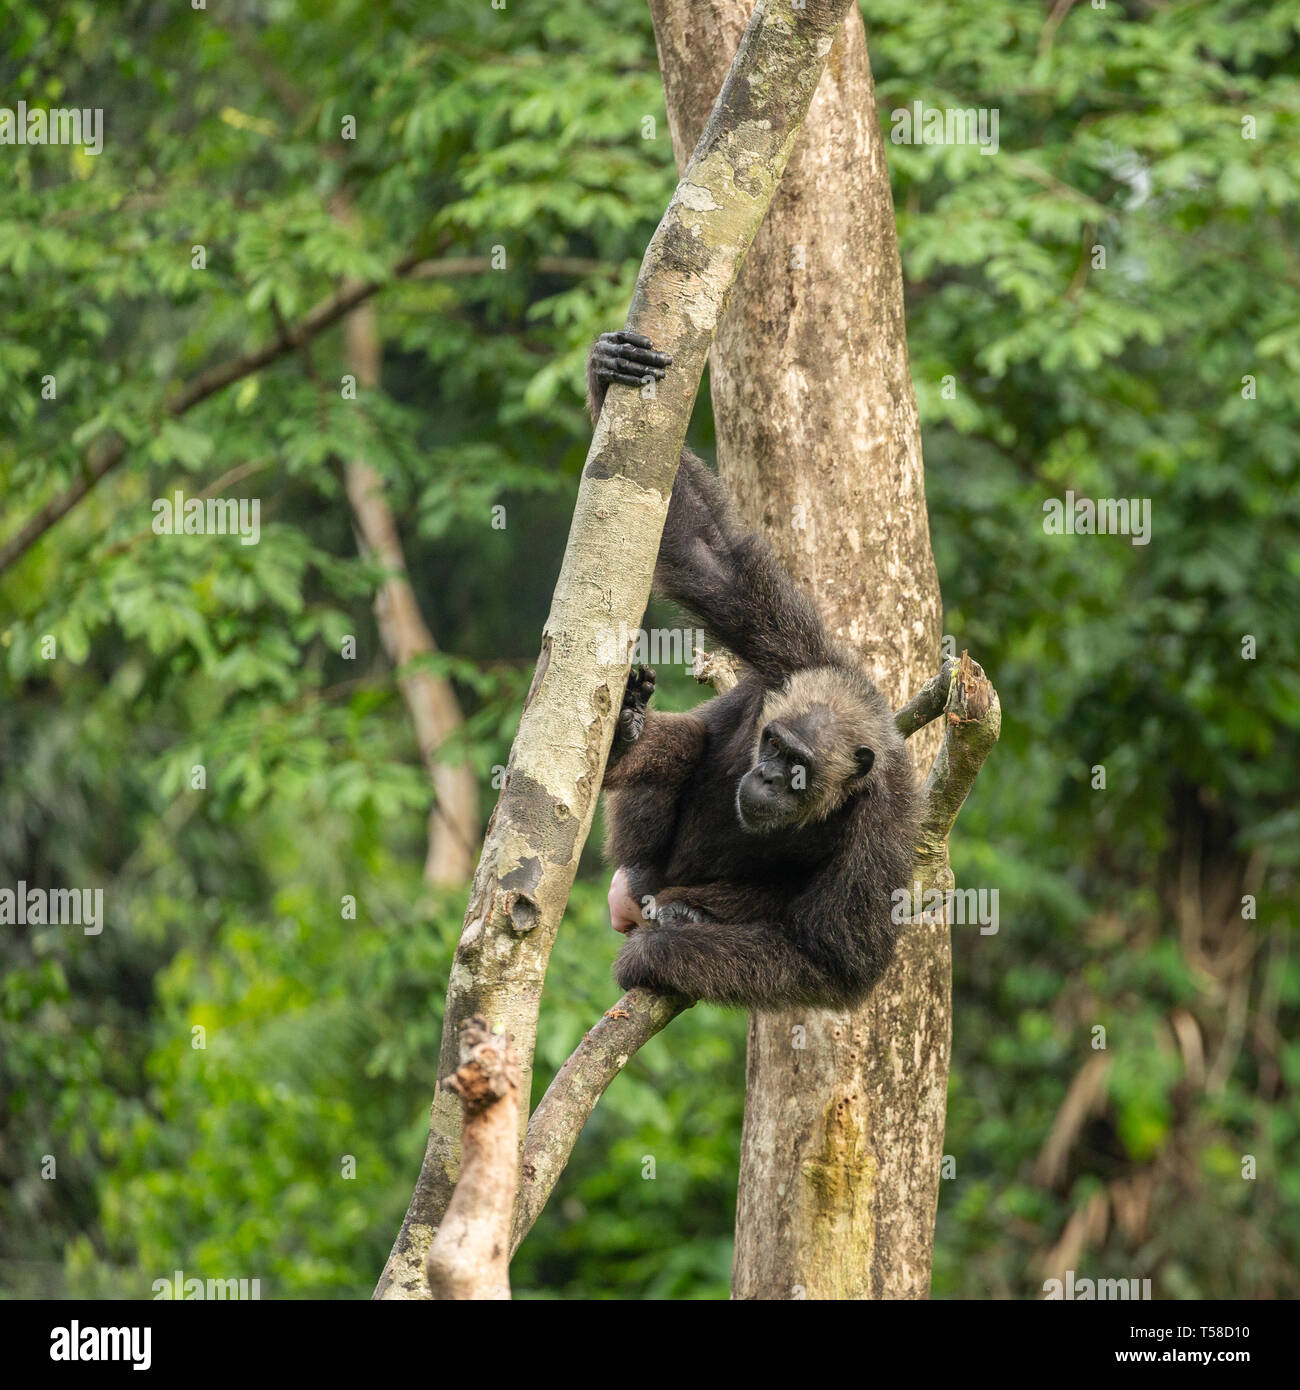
column 840, row 1182
column 697, row 199
column 594, row 731
column 549, row 826
column 524, row 877
column 602, row 467
column 687, row 254
column 471, row 936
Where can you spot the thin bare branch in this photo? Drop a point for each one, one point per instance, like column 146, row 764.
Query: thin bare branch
column 578, row 1085
column 928, row 702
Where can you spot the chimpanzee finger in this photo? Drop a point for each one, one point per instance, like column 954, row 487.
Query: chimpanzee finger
column 643, row 348
column 652, row 359
column 614, row 369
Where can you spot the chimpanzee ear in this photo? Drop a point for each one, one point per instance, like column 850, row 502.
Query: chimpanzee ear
column 864, row 757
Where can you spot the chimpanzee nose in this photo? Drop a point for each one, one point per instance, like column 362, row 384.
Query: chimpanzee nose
column 771, row 777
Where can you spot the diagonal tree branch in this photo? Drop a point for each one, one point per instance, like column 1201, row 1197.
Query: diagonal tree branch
column 566, row 1107
column 554, row 774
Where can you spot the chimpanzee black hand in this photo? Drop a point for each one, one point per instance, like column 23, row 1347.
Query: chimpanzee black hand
column 636, row 696
column 627, row 357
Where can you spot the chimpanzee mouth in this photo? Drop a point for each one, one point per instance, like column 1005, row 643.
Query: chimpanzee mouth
column 757, row 820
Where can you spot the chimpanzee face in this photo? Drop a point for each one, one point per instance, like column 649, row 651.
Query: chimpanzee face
column 795, row 779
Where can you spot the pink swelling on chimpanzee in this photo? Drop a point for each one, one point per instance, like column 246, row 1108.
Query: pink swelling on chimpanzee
column 624, row 910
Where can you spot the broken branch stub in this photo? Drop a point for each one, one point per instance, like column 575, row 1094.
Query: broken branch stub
column 470, row 1256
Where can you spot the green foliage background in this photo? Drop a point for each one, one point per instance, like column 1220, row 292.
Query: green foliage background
column 525, row 128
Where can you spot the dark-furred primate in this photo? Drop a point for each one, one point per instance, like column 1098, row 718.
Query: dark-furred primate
column 761, row 835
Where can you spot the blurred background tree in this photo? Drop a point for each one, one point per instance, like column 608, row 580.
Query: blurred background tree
column 525, row 153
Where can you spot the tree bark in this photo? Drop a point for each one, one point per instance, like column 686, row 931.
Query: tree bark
column 430, row 700
column 556, row 764
column 819, row 440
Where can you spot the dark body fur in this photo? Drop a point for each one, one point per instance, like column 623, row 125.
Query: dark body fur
column 798, row 911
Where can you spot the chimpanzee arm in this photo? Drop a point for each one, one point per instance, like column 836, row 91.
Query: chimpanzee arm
column 726, row 576
column 730, row 579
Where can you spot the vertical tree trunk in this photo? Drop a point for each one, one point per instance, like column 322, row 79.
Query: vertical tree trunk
column 818, row 437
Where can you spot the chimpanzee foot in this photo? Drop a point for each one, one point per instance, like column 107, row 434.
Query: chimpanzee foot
column 678, row 914
column 627, row 357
